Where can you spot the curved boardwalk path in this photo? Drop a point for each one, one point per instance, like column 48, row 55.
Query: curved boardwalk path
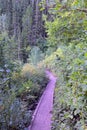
column 42, row 116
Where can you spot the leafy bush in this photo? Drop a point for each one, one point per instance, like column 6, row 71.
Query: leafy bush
column 28, row 70
column 66, row 30
column 35, row 74
column 69, row 64
column 19, row 95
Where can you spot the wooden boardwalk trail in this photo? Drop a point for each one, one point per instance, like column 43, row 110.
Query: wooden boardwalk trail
column 42, row 116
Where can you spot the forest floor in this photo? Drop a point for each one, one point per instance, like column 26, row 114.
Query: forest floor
column 42, row 116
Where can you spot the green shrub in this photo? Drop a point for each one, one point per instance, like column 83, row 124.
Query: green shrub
column 19, row 96
column 70, row 101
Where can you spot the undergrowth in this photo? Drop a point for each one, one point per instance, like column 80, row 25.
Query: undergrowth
column 70, row 104
column 19, row 96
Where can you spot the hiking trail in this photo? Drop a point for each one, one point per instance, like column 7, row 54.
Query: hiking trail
column 41, row 119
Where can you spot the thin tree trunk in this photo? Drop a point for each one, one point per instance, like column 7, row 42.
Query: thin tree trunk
column 20, row 46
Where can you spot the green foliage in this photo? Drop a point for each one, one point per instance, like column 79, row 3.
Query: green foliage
column 68, row 24
column 71, row 92
column 65, row 53
column 34, row 73
column 19, row 94
column 36, row 55
column 8, row 49
column 12, row 115
column 66, row 30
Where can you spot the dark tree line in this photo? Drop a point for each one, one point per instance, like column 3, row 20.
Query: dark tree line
column 24, row 22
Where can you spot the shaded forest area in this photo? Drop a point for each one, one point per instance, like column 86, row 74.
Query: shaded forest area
column 22, row 20
column 21, row 30
column 40, row 34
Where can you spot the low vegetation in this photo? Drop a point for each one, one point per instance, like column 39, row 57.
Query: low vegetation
column 19, row 95
column 70, row 103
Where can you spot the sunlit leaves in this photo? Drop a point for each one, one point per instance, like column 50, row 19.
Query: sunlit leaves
column 68, row 23
column 78, row 3
column 85, row 54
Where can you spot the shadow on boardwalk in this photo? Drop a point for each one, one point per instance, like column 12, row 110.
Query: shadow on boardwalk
column 41, row 119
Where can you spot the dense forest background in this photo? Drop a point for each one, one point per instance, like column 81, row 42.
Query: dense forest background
column 39, row 34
